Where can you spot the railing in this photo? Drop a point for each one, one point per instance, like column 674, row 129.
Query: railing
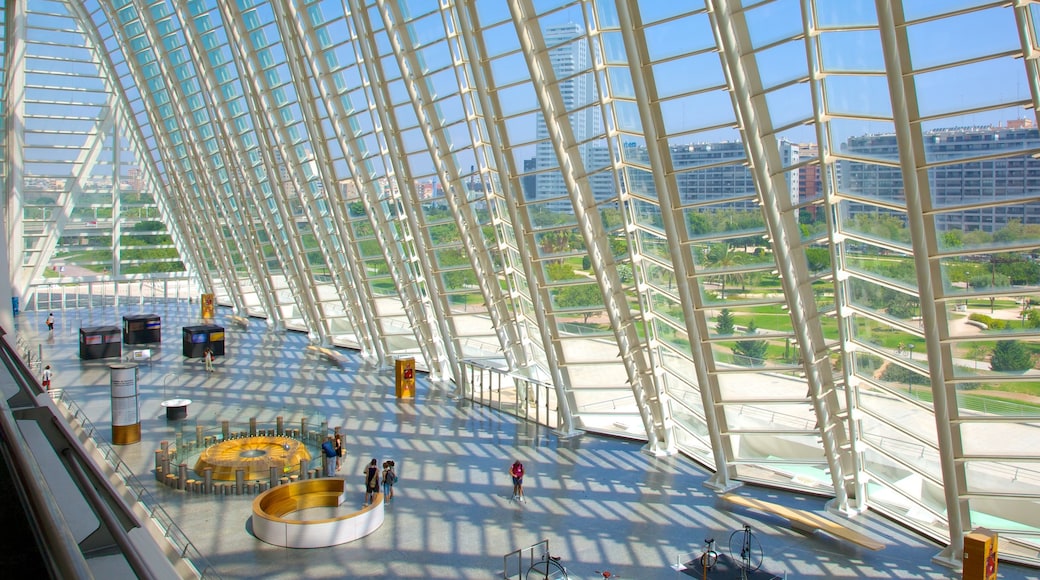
column 60, row 551
column 140, row 493
column 507, row 392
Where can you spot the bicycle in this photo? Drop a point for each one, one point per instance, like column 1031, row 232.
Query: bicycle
column 548, row 568
column 745, row 543
column 709, row 558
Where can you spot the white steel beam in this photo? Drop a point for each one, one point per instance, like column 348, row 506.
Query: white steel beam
column 782, row 224
column 905, row 112
column 633, row 351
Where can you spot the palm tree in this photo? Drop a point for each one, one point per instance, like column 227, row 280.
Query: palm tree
column 721, row 256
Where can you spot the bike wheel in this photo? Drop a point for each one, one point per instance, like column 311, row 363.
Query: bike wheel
column 709, row 559
column 547, row 569
column 745, row 550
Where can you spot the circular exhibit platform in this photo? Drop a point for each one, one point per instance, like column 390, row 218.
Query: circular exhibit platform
column 273, row 510
column 256, row 455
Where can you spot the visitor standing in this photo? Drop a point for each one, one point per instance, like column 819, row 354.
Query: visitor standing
column 371, row 482
column 389, row 479
column 50, row 322
column 328, row 448
column 46, row 376
column 207, row 355
column 338, row 444
column 517, row 473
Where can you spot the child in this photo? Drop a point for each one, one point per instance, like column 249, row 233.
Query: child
column 517, row 471
column 46, row 376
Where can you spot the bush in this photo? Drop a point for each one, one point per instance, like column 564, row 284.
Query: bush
column 1010, row 356
column 989, row 321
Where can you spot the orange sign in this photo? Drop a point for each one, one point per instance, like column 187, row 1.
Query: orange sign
column 208, row 305
column 404, row 375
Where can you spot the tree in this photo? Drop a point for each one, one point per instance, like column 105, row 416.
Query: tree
column 1010, row 356
column 978, row 351
column 720, row 256
column 818, row 258
column 724, row 322
column 752, row 351
column 584, row 297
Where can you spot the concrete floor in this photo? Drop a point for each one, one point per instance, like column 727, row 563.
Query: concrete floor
column 602, row 504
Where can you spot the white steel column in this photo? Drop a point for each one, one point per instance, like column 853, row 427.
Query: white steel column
column 512, row 192
column 634, row 351
column 14, row 110
column 903, row 93
column 645, row 89
column 392, row 244
column 268, row 131
column 469, row 228
column 299, row 43
column 782, row 224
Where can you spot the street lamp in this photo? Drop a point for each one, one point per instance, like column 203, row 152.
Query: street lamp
column 910, row 376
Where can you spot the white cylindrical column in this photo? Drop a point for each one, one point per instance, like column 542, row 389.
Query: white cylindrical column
column 126, row 409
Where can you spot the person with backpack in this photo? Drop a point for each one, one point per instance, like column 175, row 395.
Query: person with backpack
column 389, row 479
column 517, row 472
column 329, row 451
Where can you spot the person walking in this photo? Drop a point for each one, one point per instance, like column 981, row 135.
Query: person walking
column 517, row 472
column 50, row 322
column 338, row 444
column 207, row 355
column 46, row 377
column 371, row 481
column 328, row 449
column 389, row 479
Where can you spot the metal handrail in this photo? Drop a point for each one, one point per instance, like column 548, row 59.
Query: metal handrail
column 59, row 549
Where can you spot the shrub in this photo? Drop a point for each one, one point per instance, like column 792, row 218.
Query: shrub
column 1010, row 356
column 989, row 321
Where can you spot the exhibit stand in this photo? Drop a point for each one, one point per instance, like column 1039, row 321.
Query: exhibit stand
column 142, row 329
column 100, row 342
column 197, row 338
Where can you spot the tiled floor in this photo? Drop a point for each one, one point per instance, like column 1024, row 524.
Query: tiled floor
column 602, row 505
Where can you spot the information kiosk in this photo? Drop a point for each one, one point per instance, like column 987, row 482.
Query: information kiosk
column 142, row 329
column 197, row 338
column 100, row 342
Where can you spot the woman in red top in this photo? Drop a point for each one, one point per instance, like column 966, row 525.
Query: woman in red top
column 517, row 471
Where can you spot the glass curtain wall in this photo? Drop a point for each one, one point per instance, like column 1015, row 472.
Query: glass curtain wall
column 793, row 240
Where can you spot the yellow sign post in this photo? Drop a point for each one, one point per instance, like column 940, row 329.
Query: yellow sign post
column 208, row 305
column 404, row 378
column 980, row 555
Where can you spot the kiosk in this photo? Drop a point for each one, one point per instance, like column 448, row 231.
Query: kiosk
column 197, row 338
column 142, row 329
column 100, row 342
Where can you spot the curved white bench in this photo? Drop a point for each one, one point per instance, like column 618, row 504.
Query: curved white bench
column 271, row 507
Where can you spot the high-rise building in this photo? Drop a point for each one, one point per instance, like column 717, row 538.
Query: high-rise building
column 571, row 63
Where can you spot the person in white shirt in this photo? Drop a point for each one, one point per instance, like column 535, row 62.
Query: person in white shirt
column 46, row 377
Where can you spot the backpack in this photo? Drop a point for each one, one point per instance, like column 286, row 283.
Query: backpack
column 391, row 477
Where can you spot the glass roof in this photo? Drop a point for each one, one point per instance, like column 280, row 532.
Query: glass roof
column 793, row 241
